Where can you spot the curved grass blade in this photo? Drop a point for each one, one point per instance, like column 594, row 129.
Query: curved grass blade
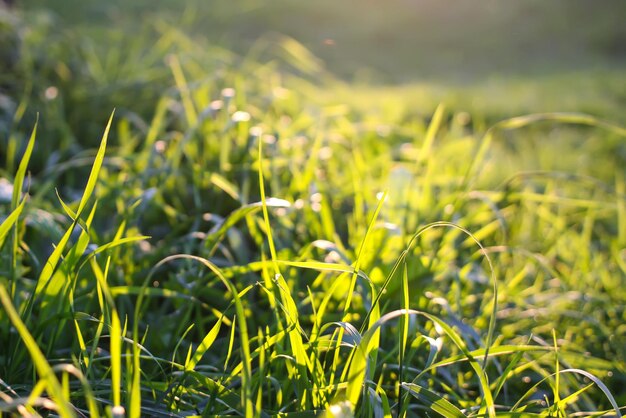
column 588, row 375
column 358, row 368
column 402, row 259
column 247, row 399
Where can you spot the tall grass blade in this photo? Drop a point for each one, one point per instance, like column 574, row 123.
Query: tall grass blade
column 95, row 169
column 20, row 175
column 295, row 338
column 51, row 264
column 18, row 184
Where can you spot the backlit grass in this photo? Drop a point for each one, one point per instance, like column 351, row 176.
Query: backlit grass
column 240, row 244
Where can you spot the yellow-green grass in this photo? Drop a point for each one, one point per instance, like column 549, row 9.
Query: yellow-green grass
column 249, row 242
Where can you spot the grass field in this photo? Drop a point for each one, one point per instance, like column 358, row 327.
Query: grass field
column 289, row 214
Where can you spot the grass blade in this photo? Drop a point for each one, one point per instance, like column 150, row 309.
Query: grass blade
column 95, row 170
column 435, row 402
column 10, row 221
column 44, row 370
column 206, row 343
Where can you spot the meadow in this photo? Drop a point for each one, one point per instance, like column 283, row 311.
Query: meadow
column 202, row 219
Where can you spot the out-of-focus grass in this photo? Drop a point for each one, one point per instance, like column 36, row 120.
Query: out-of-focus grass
column 277, row 278
column 399, row 41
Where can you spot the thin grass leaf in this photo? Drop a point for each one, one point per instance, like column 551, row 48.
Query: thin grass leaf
column 557, row 375
column 570, row 399
column 20, row 175
column 51, row 264
column 295, row 338
column 357, row 262
column 431, row 133
column 95, row 169
column 588, row 375
column 403, row 337
column 18, row 184
column 433, row 401
column 183, row 88
column 69, row 369
column 42, row 366
column 509, row 368
column 204, row 346
column 11, row 220
column 115, row 344
column 620, row 189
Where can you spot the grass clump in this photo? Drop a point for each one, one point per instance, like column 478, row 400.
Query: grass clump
column 240, row 247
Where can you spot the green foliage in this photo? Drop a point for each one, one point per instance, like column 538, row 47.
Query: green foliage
column 241, row 244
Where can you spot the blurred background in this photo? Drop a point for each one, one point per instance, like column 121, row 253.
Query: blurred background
column 492, row 58
column 393, row 41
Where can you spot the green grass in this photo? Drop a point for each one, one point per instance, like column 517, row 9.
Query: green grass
column 251, row 236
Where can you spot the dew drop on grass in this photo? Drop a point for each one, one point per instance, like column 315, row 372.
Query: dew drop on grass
column 51, row 93
column 256, row 131
column 159, row 146
column 316, row 198
column 383, row 130
column 325, row 153
column 316, row 202
column 118, row 411
column 269, row 139
column 240, row 116
column 463, row 118
column 216, row 105
column 228, row 93
column 341, row 410
column 280, row 92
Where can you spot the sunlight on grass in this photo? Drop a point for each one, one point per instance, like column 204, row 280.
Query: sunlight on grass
column 252, row 241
